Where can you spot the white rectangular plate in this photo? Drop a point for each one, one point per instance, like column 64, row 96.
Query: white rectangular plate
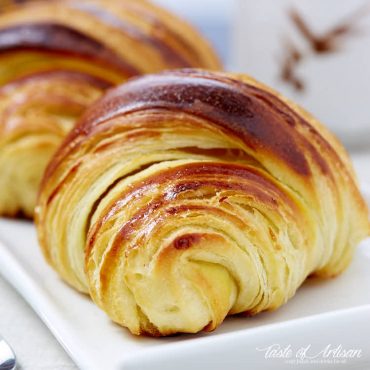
column 332, row 313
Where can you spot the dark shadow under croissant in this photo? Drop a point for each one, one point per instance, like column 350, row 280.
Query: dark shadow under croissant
column 184, row 197
column 57, row 57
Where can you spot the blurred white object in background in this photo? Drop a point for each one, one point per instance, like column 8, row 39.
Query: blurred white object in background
column 213, row 18
column 315, row 52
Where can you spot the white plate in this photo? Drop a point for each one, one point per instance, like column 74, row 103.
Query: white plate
column 323, row 313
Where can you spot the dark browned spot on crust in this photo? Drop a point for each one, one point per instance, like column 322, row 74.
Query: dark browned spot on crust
column 238, row 108
column 294, row 120
column 58, row 38
column 260, row 118
column 186, row 241
column 18, row 214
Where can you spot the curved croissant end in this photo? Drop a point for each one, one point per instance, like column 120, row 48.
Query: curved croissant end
column 183, row 197
column 57, row 57
column 36, row 113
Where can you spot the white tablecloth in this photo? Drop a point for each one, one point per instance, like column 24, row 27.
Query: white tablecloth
column 34, row 345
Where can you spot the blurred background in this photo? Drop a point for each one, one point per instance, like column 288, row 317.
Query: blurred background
column 315, row 52
column 213, row 18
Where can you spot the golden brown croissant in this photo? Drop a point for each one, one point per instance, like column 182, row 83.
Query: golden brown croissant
column 57, row 57
column 184, row 197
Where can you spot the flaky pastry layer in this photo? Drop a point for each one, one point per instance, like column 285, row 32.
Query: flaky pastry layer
column 184, row 197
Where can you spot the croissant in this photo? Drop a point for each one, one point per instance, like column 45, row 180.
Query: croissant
column 184, row 197
column 57, row 58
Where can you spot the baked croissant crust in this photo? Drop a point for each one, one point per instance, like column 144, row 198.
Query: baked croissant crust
column 57, row 58
column 184, row 197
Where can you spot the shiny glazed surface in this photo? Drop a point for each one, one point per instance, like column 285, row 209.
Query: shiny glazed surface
column 184, row 197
